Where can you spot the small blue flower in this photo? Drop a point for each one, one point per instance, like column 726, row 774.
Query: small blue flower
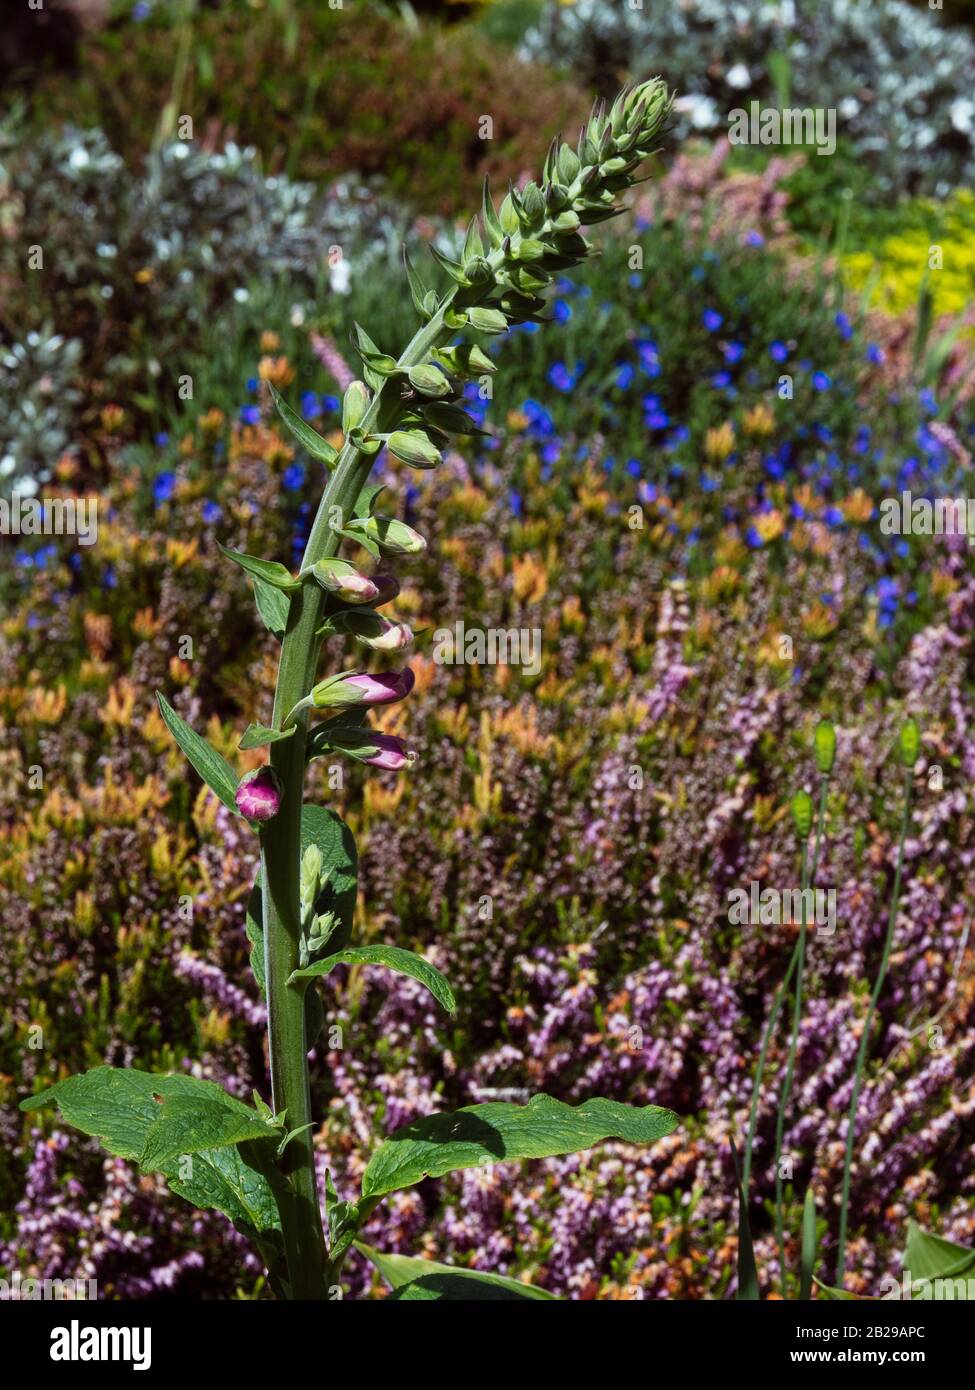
column 311, row 406
column 561, row 311
column 330, row 402
column 633, row 467
column 778, row 351
column 754, row 238
column 845, row 326
column 293, row 477
column 821, row 382
column 164, row 487
column 625, row 372
column 162, row 439
column 719, row 380
column 712, row 320
column 875, row 354
column 514, row 502
column 211, row 513
column 250, row 415
column 753, row 538
column 733, row 352
column 252, row 383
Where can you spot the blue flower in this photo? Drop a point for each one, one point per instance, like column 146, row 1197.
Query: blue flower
column 330, row 402
column 928, row 402
column 720, row 380
column 211, row 513
column 250, row 415
column 875, row 354
column 633, row 467
column 844, row 326
column 293, row 477
column 649, row 355
column 561, row 311
column 561, row 378
column 754, row 238
column 311, row 406
column 733, row 352
column 778, row 351
column 514, row 502
column 252, row 383
column 753, row 538
column 712, row 320
column 625, row 372
column 833, row 516
column 162, row 439
column 164, row 487
column 821, row 382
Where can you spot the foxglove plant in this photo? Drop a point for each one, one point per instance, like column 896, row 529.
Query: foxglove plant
column 256, row 1163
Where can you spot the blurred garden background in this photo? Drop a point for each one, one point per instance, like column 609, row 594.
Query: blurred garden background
column 646, row 495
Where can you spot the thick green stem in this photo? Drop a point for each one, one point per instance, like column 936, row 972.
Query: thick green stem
column 281, row 841
column 865, row 1036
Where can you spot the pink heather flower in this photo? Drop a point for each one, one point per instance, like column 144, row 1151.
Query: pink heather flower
column 364, row 689
column 258, row 795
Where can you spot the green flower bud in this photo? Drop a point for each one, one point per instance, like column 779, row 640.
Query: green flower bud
column 487, row 320
column 428, row 380
column 825, row 744
column 414, row 448
column 802, row 813
column 354, row 405
column 910, row 743
column 388, row 533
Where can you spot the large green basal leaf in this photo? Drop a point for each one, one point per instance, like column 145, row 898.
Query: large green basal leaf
column 190, row 1134
column 329, row 832
column 415, row 1281
column 499, row 1132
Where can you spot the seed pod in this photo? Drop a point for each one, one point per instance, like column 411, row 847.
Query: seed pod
column 825, row 744
column 910, row 743
column 802, row 811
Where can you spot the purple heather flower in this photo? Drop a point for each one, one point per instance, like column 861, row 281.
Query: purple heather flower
column 259, row 793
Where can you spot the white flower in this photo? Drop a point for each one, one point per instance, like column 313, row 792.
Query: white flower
column 738, row 76
column 340, row 277
column 960, row 114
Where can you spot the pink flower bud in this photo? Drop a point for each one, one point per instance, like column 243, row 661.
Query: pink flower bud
column 391, row 752
column 363, row 689
column 345, row 581
column 258, row 794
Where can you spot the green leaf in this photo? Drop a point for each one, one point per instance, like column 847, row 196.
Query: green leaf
column 498, row 1132
column 807, row 1261
column 273, row 605
column 271, row 571
column 394, row 958
column 842, row 1295
column 211, row 765
column 747, row 1269
column 257, row 735
column 329, row 832
column 149, row 1117
column 310, row 440
column 223, row 1180
column 928, row 1257
column 414, row 1280
column 418, row 291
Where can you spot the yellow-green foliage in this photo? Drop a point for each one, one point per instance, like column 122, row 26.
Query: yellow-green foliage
column 894, row 272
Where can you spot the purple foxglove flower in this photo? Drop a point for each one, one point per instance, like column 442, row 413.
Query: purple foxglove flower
column 258, row 794
column 363, row 689
column 391, row 753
